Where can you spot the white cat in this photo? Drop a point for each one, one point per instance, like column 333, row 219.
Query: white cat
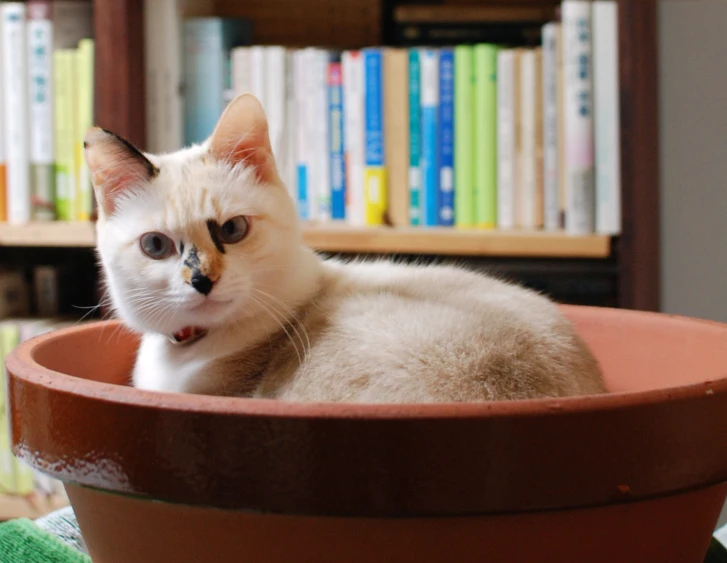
column 203, row 254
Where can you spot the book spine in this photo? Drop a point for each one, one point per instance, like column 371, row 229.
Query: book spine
column 153, row 73
column 485, row 136
column 551, row 129
column 3, row 153
column 84, row 121
column 446, row 137
column 241, row 68
column 301, row 73
column 375, row 190
column 45, row 284
column 338, row 173
column 15, row 83
column 506, row 139
column 415, row 139
column 203, row 78
column 275, row 88
column 607, row 117
column 64, row 111
column 578, row 78
column 430, row 126
column 40, row 52
column 464, row 136
column 396, row 133
column 171, row 25
column 9, row 339
column 353, row 131
column 290, row 157
column 258, row 82
column 322, row 176
column 527, row 210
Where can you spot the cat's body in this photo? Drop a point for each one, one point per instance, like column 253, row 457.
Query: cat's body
column 275, row 320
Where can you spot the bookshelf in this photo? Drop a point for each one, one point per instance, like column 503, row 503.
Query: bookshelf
column 342, row 239
column 634, row 254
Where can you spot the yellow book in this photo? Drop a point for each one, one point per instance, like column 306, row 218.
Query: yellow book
column 376, row 195
column 84, row 121
column 64, row 112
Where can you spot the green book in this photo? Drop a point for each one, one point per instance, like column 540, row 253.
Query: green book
column 64, row 112
column 83, row 122
column 464, row 150
column 485, row 136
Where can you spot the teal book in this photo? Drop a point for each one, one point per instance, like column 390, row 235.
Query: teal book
column 464, row 212
column 485, row 137
column 207, row 45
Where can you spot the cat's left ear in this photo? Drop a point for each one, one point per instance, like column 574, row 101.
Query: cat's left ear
column 241, row 136
column 116, row 167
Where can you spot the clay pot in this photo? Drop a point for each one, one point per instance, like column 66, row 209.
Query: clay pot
column 636, row 475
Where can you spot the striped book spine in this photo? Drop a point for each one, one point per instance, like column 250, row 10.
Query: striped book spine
column 335, row 101
column 446, row 137
column 430, row 145
column 415, row 139
column 375, row 168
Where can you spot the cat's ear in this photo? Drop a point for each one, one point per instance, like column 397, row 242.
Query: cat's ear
column 241, row 135
column 115, row 166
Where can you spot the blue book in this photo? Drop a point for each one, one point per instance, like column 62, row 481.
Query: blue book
column 335, row 135
column 207, row 46
column 429, row 64
column 446, row 137
column 415, row 139
column 375, row 191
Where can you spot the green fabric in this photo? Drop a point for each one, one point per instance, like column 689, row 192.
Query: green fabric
column 21, row 541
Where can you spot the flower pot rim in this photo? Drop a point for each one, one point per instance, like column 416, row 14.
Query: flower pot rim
column 21, row 362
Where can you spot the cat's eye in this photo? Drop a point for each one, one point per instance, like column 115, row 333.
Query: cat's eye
column 156, row 245
column 234, row 230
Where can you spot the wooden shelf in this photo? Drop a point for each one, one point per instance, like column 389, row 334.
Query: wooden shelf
column 32, row 506
column 334, row 238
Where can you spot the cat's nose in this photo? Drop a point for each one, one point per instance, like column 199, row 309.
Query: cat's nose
column 201, row 283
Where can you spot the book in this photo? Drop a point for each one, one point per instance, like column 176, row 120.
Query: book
column 288, row 165
column 14, row 294
column 46, row 288
column 208, row 42
column 302, row 198
column 429, row 60
column 15, row 85
column 507, row 93
column 335, row 116
column 375, row 181
column 275, row 98
column 257, row 82
column 84, row 121
column 551, row 126
column 578, row 113
column 606, row 117
column 320, row 176
column 64, row 130
column 485, row 136
column 241, row 60
column 396, row 133
column 163, row 26
column 464, row 136
column 415, row 139
column 446, row 137
column 353, row 134
column 40, row 97
column 530, row 200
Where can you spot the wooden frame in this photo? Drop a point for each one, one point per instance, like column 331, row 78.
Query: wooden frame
column 120, row 106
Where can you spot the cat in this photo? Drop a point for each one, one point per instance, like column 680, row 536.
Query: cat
column 202, row 253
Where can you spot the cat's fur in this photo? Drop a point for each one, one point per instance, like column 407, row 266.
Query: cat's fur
column 282, row 323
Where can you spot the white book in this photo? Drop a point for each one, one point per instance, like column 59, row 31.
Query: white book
column 15, row 82
column 321, row 169
column 530, row 197
column 506, row 134
column 257, row 74
column 578, row 109
column 353, row 135
column 551, row 126
column 3, row 154
column 288, row 165
column 240, row 61
column 276, row 99
column 163, row 59
column 300, row 70
column 606, row 117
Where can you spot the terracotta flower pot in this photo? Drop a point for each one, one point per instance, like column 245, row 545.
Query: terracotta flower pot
column 637, row 475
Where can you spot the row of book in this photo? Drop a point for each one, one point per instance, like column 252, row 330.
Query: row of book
column 473, row 136
column 46, row 106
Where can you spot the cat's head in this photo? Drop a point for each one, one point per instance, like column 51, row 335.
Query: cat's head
column 197, row 237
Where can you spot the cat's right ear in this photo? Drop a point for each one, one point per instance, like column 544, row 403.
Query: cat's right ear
column 116, row 167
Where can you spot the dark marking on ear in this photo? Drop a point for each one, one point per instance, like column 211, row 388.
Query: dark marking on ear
column 152, row 170
column 214, row 229
column 192, row 260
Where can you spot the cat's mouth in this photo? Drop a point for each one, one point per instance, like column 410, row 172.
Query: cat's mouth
column 188, row 335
